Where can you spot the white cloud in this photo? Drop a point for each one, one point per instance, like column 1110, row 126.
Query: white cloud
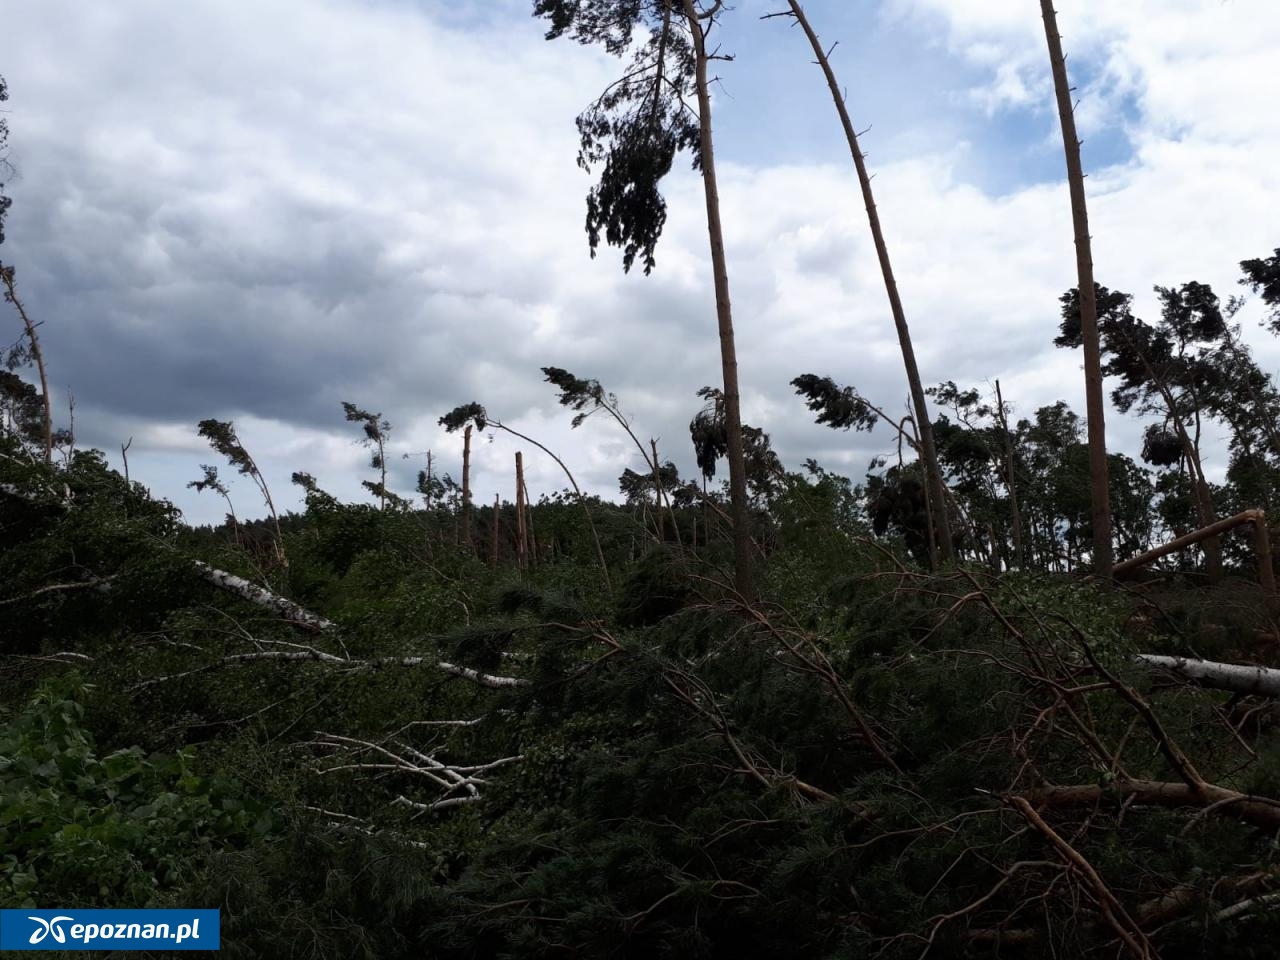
column 254, row 211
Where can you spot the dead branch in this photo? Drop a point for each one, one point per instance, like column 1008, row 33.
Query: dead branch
column 101, row 584
column 1256, row 810
column 300, row 653
column 457, row 784
column 694, row 693
column 1130, row 934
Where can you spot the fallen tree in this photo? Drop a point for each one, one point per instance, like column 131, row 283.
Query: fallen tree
column 1261, row 549
column 1236, row 677
column 1211, row 799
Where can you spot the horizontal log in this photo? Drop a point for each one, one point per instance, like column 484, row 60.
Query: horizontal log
column 1259, row 811
column 1236, row 677
column 1189, row 540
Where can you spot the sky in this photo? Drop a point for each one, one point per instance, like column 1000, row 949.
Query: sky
column 256, row 211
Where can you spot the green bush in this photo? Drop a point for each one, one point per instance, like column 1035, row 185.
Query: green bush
column 84, row 830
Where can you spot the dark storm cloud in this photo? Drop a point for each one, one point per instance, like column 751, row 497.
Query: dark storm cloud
column 257, row 211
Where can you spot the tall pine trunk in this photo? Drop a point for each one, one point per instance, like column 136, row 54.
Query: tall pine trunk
column 1100, row 513
column 940, row 547
column 466, row 485
column 724, row 316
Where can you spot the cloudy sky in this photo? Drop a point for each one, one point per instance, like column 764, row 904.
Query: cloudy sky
column 255, row 211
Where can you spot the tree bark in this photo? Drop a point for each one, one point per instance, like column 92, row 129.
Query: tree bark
column 521, row 538
column 1204, row 534
column 924, row 426
column 1203, row 496
column 11, row 294
column 493, row 533
column 657, row 494
column 1236, row 677
column 1011, row 479
column 724, row 315
column 528, row 525
column 1094, row 410
column 466, row 485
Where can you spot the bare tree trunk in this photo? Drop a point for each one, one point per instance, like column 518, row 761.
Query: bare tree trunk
column 11, row 294
column 724, row 315
column 428, row 520
column 1100, row 514
column 466, row 485
column 928, row 451
column 577, row 491
column 1203, row 496
column 1206, row 533
column 1011, row 479
column 1266, row 566
column 521, row 545
column 664, row 499
column 657, row 494
column 493, row 533
column 1205, row 509
column 382, row 465
column 528, row 511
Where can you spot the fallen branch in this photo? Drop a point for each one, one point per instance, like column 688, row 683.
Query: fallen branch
column 458, row 784
column 282, row 607
column 1257, row 810
column 1236, row 677
column 1261, row 546
column 1113, row 911
column 699, row 696
column 346, row 823
column 1244, row 907
column 101, row 584
column 299, row 652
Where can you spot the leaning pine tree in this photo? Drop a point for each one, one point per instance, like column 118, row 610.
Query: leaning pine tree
column 635, row 129
column 939, row 530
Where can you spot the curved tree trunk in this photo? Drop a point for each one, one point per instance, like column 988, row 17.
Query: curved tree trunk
column 940, row 549
column 10, row 294
column 724, row 315
column 1094, row 411
column 1205, row 510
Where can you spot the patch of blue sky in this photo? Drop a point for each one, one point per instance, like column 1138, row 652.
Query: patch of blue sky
column 908, row 95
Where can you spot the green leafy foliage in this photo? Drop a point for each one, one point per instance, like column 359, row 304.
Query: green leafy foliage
column 81, row 828
column 635, row 128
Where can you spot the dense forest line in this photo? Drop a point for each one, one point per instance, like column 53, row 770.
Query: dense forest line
column 998, row 697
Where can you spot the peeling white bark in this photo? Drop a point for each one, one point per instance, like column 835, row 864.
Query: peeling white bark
column 281, row 606
column 300, row 653
column 1236, row 677
column 458, row 784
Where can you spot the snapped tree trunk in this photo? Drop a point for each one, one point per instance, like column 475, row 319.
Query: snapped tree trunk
column 1011, row 481
column 1207, row 512
column 521, row 537
column 528, row 525
column 724, row 315
column 466, row 485
column 1208, row 534
column 493, row 532
column 1100, row 513
column 657, row 494
column 940, row 550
